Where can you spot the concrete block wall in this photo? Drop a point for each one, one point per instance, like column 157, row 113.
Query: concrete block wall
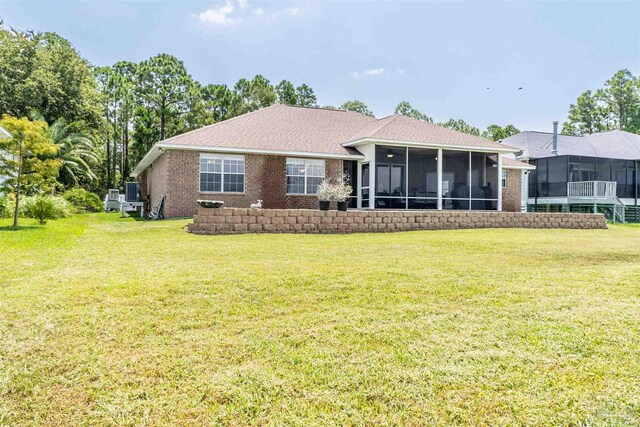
column 243, row 220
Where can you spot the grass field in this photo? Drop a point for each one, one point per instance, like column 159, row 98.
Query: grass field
column 109, row 321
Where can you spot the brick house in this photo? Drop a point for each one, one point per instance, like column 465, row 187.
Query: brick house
column 281, row 153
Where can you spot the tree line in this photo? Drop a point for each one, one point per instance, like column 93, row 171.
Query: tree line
column 98, row 122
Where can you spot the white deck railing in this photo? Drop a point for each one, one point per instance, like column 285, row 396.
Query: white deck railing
column 593, row 190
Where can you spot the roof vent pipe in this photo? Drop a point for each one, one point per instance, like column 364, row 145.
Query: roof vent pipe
column 554, row 149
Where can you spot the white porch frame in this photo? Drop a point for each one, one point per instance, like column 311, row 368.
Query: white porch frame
column 368, row 151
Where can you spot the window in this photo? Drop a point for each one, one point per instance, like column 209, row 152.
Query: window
column 221, row 173
column 504, row 178
column 304, row 175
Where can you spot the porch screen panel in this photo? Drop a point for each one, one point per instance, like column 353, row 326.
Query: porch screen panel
column 557, row 176
column 455, row 179
column 587, row 169
column 603, row 169
column 533, row 178
column 422, row 182
column 391, row 188
column 631, row 173
column 542, row 186
column 624, row 180
column 484, row 181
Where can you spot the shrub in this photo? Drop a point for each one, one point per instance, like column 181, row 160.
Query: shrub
column 4, row 207
column 325, row 191
column 83, row 200
column 43, row 208
column 340, row 191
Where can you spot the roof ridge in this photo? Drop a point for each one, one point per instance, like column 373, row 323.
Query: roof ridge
column 337, row 110
column 393, row 118
column 217, row 123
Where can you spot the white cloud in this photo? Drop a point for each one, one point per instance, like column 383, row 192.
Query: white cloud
column 219, row 16
column 236, row 11
column 374, row 71
column 367, row 73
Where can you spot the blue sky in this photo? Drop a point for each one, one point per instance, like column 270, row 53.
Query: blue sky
column 441, row 57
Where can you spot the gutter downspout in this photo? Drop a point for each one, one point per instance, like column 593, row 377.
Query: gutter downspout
column 554, row 149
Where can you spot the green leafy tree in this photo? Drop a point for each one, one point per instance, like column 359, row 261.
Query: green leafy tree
column 497, row 133
column 305, row 96
column 357, row 106
column 108, row 86
column 77, row 153
column 588, row 115
column 28, row 157
column 163, row 85
column 125, row 74
column 405, row 109
column 218, row 101
column 286, row 93
column 252, row 95
column 43, row 72
column 146, row 132
column 461, row 126
column 196, row 113
column 622, row 96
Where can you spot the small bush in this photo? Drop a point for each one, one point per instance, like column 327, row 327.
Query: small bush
column 5, row 207
column 83, row 200
column 44, row 207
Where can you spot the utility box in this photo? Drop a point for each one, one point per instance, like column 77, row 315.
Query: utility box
column 112, row 200
column 132, row 192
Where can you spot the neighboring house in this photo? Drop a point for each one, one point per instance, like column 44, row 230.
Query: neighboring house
column 4, row 134
column 281, row 153
column 575, row 172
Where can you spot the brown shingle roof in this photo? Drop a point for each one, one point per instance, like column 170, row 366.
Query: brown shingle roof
column 280, row 128
column 317, row 130
column 512, row 163
column 403, row 128
column 314, row 132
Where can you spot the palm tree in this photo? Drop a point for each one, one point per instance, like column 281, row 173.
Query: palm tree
column 77, row 152
column 77, row 149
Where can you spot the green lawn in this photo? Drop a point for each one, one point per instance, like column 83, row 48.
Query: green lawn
column 109, row 321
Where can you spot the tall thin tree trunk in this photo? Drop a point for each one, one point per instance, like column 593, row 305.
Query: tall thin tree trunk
column 18, row 187
column 125, row 163
column 109, row 164
column 162, row 123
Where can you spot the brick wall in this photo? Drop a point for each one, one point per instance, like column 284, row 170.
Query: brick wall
column 243, row 220
column 265, row 179
column 153, row 181
column 511, row 194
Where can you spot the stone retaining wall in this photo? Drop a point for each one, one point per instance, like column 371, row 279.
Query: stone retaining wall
column 241, row 220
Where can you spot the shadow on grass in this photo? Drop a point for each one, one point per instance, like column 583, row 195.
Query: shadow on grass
column 19, row 228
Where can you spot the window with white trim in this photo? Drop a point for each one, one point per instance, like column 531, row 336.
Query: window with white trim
column 221, row 173
column 504, row 178
column 304, row 175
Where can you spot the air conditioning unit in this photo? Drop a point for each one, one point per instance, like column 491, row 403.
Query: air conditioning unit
column 132, row 192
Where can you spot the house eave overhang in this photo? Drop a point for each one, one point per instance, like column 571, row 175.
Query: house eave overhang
column 160, row 148
column 528, row 167
column 416, row 144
